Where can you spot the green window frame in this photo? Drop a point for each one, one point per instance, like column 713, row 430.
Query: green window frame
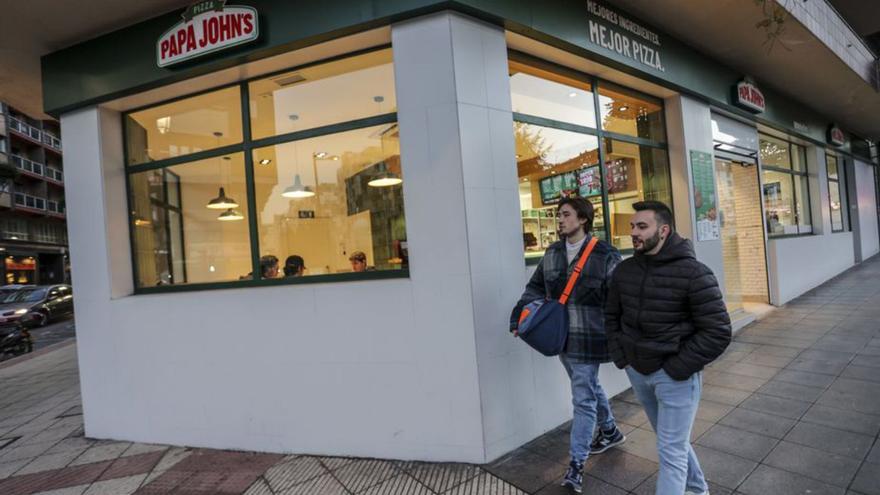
column 794, row 176
column 604, row 136
column 839, row 180
column 246, row 147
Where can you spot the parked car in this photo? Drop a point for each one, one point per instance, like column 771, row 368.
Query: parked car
column 9, row 289
column 36, row 306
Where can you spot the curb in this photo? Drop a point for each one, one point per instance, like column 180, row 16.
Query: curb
column 35, row 354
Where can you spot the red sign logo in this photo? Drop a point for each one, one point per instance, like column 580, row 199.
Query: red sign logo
column 750, row 97
column 836, row 136
column 207, row 27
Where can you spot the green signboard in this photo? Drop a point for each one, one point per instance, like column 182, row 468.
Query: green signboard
column 705, row 197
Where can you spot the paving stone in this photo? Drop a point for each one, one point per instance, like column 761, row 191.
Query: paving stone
column 779, row 406
column 169, row 459
column 793, row 391
column 641, row 442
column 823, row 355
column 842, row 419
column 869, row 361
column 814, row 366
column 722, row 468
column 724, row 395
column 554, row 444
column 441, row 477
column 131, row 465
column 144, row 448
column 753, row 370
column 766, row 480
column 738, row 442
column 699, row 428
column 527, row 470
column 767, row 360
column 816, row 464
column 867, row 480
column 48, row 462
column 488, row 484
column 292, row 471
column 629, row 413
column 72, row 490
column 739, row 382
column 13, row 453
column 619, row 468
column 874, row 455
column 402, row 484
column 861, row 373
column 334, row 463
column 325, row 485
column 857, row 395
column 98, row 453
column 8, row 468
column 804, row 378
column 758, row 422
column 260, row 487
column 846, row 443
column 362, row 474
column 649, row 487
column 775, row 350
column 712, row 411
column 119, row 486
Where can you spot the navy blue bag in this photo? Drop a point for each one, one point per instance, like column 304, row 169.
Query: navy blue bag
column 543, row 324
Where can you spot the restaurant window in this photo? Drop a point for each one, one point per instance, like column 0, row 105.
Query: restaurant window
column 836, row 193
column 785, row 187
column 561, row 151
column 309, row 175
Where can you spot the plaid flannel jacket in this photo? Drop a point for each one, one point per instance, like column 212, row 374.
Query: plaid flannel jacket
column 586, row 305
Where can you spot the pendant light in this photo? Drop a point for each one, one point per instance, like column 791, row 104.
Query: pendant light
column 297, row 190
column 221, row 202
column 383, row 177
column 230, row 215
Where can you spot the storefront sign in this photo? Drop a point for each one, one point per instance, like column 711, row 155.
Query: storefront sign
column 207, row 26
column 836, row 136
column 705, row 198
column 748, row 96
column 801, row 127
column 613, row 31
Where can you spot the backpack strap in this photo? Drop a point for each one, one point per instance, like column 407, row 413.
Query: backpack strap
column 577, row 271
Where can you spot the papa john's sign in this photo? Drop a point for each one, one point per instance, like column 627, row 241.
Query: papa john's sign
column 748, row 96
column 207, row 26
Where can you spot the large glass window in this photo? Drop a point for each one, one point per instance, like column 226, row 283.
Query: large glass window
column 785, row 187
column 260, row 201
column 560, row 152
column 836, row 194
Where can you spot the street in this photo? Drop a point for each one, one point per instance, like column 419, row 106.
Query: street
column 53, row 333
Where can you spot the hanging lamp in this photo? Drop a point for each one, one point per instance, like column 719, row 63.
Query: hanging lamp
column 298, row 190
column 221, row 202
column 230, row 215
column 384, row 177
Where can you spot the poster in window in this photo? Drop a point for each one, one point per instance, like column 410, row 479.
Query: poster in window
column 705, row 196
column 558, row 186
column 589, row 181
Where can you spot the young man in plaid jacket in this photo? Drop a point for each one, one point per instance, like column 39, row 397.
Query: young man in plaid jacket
column 586, row 347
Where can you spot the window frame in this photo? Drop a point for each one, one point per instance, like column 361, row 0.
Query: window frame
column 246, row 146
column 845, row 226
column 795, row 174
column 595, row 83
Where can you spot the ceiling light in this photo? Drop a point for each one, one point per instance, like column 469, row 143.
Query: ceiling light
column 230, row 215
column 572, row 94
column 320, row 154
column 335, row 158
column 623, row 108
column 265, row 161
column 221, row 202
column 298, row 190
column 384, row 177
column 163, row 124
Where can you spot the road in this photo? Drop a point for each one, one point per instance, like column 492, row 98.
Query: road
column 52, row 333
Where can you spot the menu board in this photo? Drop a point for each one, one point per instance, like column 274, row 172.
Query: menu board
column 558, row 186
column 620, row 176
column 589, row 181
column 705, row 196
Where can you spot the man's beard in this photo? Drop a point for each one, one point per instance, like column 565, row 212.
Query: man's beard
column 650, row 243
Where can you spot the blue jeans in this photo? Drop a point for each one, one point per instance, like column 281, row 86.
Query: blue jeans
column 671, row 407
column 590, row 406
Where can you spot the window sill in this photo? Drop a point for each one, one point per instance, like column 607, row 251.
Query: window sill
column 238, row 284
column 790, row 236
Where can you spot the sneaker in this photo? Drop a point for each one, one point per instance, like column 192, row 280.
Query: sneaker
column 697, row 493
column 574, row 476
column 605, row 441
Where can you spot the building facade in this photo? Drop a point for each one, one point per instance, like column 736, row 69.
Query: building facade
column 433, row 141
column 33, row 228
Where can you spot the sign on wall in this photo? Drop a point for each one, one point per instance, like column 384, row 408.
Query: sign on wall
column 620, row 34
column 705, row 197
column 748, row 96
column 836, row 136
column 207, row 27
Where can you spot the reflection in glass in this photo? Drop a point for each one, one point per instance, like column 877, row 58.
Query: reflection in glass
column 186, row 126
column 551, row 96
column 836, row 213
column 343, row 214
column 176, row 239
column 831, row 161
column 633, row 173
column 626, row 112
column 775, row 152
column 348, row 89
column 552, row 164
column 779, row 203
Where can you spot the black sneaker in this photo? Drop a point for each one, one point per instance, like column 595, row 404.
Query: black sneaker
column 607, row 440
column 574, row 476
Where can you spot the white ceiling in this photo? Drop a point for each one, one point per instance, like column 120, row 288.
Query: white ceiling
column 32, row 28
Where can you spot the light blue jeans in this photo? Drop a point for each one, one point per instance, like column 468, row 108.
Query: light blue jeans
column 671, row 407
column 590, row 406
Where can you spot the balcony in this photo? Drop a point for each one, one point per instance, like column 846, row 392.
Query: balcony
column 51, row 142
column 35, row 169
column 55, row 208
column 30, row 203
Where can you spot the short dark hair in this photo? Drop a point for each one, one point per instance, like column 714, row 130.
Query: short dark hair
column 293, row 264
column 662, row 213
column 582, row 207
column 267, row 262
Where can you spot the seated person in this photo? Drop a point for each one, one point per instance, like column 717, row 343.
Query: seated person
column 294, row 266
column 269, row 266
column 358, row 261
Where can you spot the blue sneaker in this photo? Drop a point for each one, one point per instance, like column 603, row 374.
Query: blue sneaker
column 574, row 476
column 607, row 440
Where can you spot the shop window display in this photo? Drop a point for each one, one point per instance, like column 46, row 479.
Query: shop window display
column 785, row 187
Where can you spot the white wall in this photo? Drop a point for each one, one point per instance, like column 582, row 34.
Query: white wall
column 798, row 264
column 867, row 204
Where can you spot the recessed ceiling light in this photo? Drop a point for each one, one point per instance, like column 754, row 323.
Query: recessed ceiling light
column 572, row 94
column 335, row 158
column 265, row 161
column 320, row 154
column 623, row 108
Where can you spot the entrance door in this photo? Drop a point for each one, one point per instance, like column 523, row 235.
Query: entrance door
column 742, row 234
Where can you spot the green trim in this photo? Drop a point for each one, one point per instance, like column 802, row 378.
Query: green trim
column 250, row 183
column 179, row 160
column 636, row 140
column 606, row 203
column 350, row 125
column 554, row 124
column 771, row 237
column 312, row 279
column 533, row 261
column 129, row 205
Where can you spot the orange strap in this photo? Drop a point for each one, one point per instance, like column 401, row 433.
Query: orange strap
column 577, row 271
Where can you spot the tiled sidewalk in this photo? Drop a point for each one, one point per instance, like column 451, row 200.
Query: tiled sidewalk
column 793, row 407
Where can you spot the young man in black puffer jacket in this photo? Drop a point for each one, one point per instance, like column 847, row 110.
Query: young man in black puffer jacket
column 665, row 320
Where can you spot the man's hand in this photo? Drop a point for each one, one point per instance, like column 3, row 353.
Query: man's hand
column 515, row 333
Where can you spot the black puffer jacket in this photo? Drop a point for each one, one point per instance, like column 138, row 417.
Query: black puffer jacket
column 666, row 311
